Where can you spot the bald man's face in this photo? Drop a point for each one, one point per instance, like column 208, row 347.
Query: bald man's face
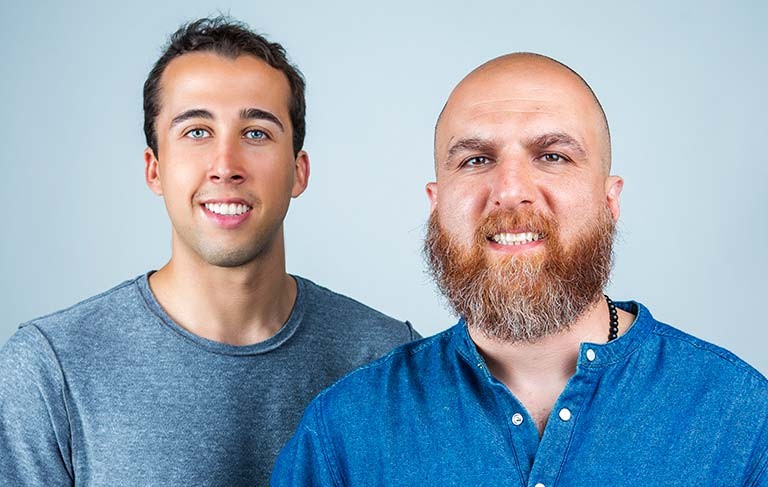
column 521, row 137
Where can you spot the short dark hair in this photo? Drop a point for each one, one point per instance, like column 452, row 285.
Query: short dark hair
column 229, row 38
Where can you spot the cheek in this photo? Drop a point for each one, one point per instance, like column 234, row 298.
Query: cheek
column 460, row 208
column 464, row 199
column 275, row 184
column 577, row 207
column 180, row 181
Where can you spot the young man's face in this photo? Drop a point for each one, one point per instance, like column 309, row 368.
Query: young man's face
column 225, row 164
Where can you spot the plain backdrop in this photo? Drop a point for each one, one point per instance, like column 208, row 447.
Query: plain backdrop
column 683, row 85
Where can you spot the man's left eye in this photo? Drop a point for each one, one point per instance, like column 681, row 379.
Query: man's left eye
column 256, row 135
column 553, row 158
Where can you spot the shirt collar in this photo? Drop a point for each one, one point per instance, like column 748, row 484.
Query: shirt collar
column 591, row 355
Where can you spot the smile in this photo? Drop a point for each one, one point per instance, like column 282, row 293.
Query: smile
column 516, row 238
column 227, row 209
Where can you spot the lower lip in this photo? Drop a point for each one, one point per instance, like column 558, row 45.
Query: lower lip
column 226, row 221
column 514, row 249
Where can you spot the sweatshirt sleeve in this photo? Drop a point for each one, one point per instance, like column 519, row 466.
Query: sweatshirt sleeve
column 305, row 460
column 35, row 446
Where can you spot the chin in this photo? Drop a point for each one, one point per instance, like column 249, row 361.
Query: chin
column 231, row 257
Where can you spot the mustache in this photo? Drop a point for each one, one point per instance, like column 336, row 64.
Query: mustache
column 526, row 220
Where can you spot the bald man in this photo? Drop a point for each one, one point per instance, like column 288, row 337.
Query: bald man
column 545, row 381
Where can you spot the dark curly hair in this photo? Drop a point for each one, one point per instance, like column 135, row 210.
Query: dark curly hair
column 229, row 38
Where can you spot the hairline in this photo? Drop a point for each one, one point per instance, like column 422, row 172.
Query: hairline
column 604, row 119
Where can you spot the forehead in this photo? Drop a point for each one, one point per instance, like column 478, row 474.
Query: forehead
column 512, row 104
column 206, row 78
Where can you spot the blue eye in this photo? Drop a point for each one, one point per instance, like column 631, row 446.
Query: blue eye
column 197, row 134
column 256, row 135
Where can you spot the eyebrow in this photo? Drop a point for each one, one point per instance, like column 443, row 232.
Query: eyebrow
column 471, row 144
column 245, row 114
column 193, row 113
column 545, row 141
column 258, row 114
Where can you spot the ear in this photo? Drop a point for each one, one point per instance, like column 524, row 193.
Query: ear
column 432, row 195
column 300, row 174
column 613, row 187
column 152, row 172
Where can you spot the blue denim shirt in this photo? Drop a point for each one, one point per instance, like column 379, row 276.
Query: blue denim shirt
column 656, row 407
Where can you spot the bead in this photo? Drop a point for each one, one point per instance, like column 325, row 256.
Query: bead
column 613, row 326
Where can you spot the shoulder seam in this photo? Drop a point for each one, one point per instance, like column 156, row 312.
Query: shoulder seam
column 63, row 386
column 411, row 331
column 80, row 303
column 713, row 349
column 326, row 445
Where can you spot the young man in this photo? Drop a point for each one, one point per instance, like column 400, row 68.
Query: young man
column 545, row 381
column 195, row 374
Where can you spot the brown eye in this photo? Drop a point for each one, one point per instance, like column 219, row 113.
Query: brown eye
column 476, row 161
column 553, row 158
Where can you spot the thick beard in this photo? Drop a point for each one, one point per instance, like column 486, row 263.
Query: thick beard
column 521, row 299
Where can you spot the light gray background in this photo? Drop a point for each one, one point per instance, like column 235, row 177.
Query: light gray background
column 683, row 84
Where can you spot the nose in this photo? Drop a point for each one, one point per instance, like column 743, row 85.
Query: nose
column 227, row 166
column 513, row 184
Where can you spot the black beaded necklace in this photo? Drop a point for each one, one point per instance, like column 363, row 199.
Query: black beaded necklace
column 613, row 331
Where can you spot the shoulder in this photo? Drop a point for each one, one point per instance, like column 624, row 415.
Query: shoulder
column 718, row 361
column 393, row 376
column 693, row 364
column 26, row 352
column 31, row 370
column 705, row 380
column 355, row 317
column 92, row 317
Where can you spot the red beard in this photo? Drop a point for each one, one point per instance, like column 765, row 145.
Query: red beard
column 513, row 298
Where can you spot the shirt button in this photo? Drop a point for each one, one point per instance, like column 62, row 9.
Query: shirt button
column 539, row 485
column 517, row 419
column 590, row 355
column 565, row 414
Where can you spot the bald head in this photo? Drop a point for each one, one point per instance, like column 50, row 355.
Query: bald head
column 521, row 83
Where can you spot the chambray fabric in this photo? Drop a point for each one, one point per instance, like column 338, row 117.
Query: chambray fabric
column 657, row 407
column 112, row 392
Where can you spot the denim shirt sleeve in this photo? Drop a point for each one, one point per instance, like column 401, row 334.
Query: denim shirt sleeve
column 34, row 425
column 305, row 460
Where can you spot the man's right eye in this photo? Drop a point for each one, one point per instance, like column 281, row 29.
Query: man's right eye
column 197, row 134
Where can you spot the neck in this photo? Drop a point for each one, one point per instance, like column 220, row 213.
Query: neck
column 235, row 305
column 536, row 373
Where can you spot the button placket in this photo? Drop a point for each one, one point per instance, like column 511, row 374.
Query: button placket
column 561, row 425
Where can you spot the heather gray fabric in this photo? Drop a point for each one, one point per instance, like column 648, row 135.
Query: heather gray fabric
column 112, row 392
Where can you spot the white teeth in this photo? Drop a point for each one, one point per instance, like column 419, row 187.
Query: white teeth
column 515, row 238
column 227, row 209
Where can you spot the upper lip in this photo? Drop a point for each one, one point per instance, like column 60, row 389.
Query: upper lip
column 226, row 201
column 514, row 231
